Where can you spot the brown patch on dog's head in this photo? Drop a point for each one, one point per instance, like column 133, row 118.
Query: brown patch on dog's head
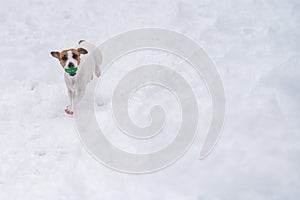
column 61, row 56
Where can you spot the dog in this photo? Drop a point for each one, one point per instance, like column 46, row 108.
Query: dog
column 87, row 59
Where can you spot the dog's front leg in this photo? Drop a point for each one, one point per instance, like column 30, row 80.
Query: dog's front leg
column 69, row 109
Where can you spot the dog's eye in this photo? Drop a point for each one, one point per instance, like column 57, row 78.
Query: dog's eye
column 64, row 58
column 75, row 56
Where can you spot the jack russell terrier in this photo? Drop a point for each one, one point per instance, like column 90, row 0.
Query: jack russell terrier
column 80, row 64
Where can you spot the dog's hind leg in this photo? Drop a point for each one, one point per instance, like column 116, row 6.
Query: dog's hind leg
column 98, row 61
column 97, row 71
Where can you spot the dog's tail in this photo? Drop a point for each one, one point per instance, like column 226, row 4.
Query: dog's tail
column 81, row 41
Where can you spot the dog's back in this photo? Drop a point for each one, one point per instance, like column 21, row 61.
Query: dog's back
column 90, row 62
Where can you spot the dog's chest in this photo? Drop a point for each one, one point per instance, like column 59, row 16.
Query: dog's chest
column 71, row 83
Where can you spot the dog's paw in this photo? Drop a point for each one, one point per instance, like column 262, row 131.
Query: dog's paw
column 68, row 110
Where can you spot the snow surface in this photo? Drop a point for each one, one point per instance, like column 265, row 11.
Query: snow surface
column 255, row 45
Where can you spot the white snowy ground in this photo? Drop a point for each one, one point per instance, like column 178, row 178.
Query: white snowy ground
column 255, row 45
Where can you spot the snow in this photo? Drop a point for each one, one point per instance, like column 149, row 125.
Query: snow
column 255, row 45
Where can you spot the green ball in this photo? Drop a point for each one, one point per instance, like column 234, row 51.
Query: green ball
column 71, row 70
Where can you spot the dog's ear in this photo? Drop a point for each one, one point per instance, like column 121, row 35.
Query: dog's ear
column 55, row 54
column 82, row 51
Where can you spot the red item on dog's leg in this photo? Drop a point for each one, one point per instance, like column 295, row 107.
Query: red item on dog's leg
column 68, row 112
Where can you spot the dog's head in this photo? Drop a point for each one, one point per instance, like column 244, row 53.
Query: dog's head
column 69, row 58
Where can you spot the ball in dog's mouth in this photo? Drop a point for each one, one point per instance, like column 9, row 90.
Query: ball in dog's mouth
column 71, row 71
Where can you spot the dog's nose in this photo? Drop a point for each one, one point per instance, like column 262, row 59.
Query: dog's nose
column 71, row 65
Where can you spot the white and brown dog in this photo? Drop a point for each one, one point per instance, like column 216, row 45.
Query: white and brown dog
column 87, row 59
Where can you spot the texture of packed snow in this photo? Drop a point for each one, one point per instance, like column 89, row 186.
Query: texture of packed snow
column 255, row 45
